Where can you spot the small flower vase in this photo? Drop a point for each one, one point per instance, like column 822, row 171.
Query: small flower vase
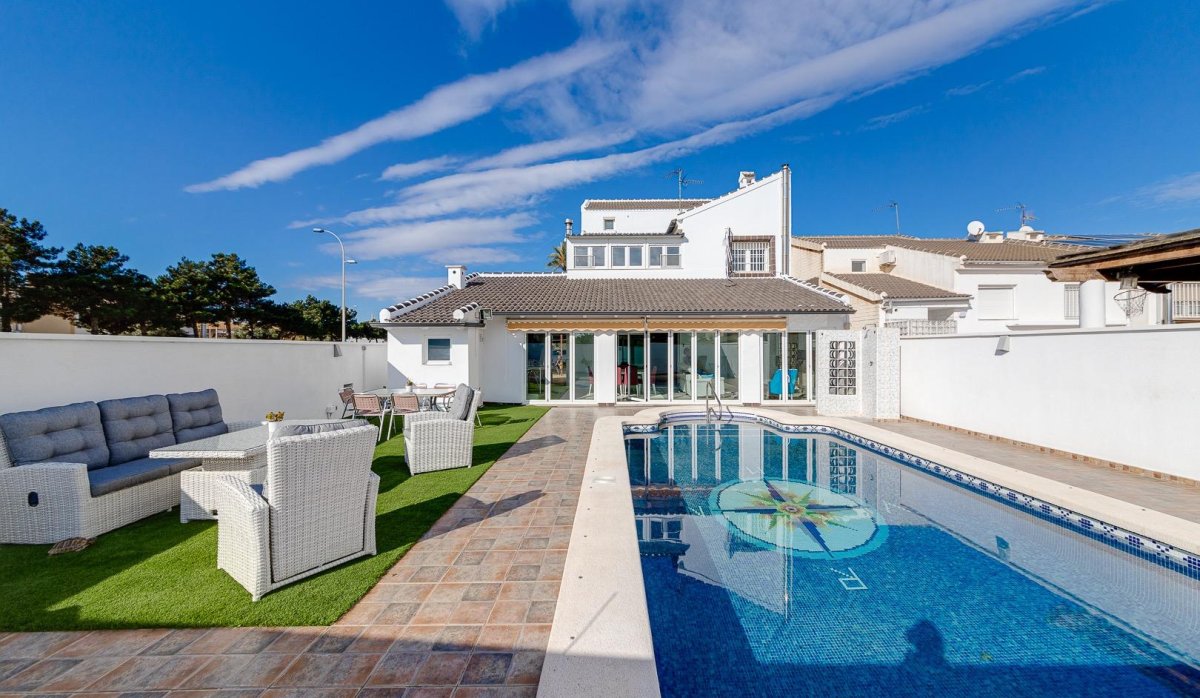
column 271, row 427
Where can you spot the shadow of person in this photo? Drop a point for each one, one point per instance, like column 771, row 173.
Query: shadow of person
column 928, row 648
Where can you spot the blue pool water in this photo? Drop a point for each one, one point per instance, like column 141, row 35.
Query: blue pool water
column 803, row 565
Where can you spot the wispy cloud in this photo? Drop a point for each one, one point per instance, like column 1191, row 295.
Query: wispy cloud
column 1183, row 189
column 408, row 170
column 964, row 90
column 429, row 237
column 895, row 117
column 445, row 106
column 1027, row 73
column 375, row 285
column 475, row 15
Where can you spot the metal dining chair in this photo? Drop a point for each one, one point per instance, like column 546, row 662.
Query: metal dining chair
column 347, row 397
column 369, row 405
column 402, row 404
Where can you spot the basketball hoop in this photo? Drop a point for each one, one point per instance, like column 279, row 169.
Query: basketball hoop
column 1132, row 301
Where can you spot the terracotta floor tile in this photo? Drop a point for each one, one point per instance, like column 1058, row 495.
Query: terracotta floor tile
column 534, row 637
column 37, row 645
column 417, row 638
column 410, row 592
column 309, row 693
column 240, row 671
column 397, row 613
column 498, row 638
column 429, row 692
column 472, row 612
column 433, row 612
column 294, row 640
column 329, row 670
column 217, row 640
column 442, row 669
column 457, row 638
column 540, row 612
column 362, row 614
column 176, row 641
column 335, row 639
column 482, row 591
column 487, row 668
column 451, row 592
column 429, row 573
column 375, row 639
column 397, row 669
column 110, row 643
column 526, row 668
column 150, row 673
column 509, row 612
column 61, row 674
column 495, row 692
column 523, row 573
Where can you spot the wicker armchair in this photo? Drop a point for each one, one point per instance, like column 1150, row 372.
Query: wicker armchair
column 442, row 440
column 316, row 509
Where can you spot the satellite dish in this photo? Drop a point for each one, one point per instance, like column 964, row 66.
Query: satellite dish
column 975, row 228
column 1026, row 229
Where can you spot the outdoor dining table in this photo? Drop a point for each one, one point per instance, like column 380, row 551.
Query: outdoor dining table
column 239, row 454
column 427, row 396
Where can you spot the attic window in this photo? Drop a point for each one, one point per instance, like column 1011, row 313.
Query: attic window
column 751, row 256
column 858, row 265
column 610, row 223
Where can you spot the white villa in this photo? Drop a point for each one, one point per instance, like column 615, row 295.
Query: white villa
column 662, row 301
column 990, row 282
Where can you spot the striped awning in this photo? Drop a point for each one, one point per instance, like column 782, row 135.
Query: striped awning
column 636, row 324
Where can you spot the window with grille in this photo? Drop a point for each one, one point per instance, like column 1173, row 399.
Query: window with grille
column 589, row 256
column 750, row 256
column 1071, row 301
column 843, row 368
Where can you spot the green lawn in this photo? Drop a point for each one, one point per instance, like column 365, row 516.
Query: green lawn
column 161, row 573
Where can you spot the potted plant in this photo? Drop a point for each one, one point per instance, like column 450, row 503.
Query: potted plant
column 272, row 421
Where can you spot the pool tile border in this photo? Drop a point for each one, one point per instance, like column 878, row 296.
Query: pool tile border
column 1162, row 553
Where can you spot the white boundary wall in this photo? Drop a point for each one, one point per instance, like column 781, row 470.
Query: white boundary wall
column 252, row 377
column 1126, row 395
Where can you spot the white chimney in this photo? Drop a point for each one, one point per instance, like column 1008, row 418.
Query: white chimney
column 456, row 275
column 570, row 226
column 745, row 179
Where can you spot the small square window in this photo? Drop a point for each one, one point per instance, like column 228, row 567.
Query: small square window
column 858, row 265
column 437, row 350
column 610, row 223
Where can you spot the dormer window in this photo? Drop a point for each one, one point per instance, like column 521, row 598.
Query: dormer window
column 587, row 256
column 610, row 224
column 752, row 256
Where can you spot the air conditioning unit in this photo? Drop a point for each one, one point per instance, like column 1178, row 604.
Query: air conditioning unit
column 887, row 257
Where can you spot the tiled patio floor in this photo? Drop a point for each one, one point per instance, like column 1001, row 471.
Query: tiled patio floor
column 1171, row 498
column 466, row 612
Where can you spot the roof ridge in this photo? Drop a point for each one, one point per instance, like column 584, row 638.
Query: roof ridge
column 839, row 297
column 736, row 192
column 417, row 301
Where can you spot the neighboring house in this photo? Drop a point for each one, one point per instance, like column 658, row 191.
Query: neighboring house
column 662, row 301
column 995, row 281
column 50, row 324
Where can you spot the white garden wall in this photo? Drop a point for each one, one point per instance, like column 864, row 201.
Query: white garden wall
column 252, row 377
column 1129, row 396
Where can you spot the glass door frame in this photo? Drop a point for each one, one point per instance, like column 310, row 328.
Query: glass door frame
column 547, row 355
column 699, row 390
column 806, row 376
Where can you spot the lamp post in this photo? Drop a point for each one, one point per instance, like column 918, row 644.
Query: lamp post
column 344, row 263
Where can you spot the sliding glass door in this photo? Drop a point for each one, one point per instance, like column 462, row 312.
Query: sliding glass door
column 787, row 373
column 631, row 366
column 677, row 366
column 559, row 366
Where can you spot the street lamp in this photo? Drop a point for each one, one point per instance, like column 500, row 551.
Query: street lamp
column 344, row 263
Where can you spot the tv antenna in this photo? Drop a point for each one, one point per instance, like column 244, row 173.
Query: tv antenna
column 1027, row 216
column 682, row 180
column 895, row 206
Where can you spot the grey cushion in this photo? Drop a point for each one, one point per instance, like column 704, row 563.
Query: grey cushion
column 134, row 426
column 67, row 434
column 305, row 429
column 118, row 477
column 196, row 415
column 460, row 406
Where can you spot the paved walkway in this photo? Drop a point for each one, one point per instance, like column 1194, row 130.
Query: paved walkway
column 466, row 612
column 1160, row 495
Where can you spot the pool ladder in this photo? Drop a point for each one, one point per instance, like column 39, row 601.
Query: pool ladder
column 714, row 414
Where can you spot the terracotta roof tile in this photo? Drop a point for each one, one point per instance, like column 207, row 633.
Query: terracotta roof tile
column 1007, row 251
column 896, row 286
column 642, row 204
column 555, row 294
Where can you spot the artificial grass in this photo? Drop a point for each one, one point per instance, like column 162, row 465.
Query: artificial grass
column 161, row 573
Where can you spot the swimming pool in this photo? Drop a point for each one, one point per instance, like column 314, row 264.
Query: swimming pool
column 822, row 564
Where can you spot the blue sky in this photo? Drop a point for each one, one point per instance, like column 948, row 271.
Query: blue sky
column 466, row 132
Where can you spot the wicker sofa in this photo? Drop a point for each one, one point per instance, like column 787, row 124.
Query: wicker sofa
column 443, row 440
column 314, row 510
column 79, row 470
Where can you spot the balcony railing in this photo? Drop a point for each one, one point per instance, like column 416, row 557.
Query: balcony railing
column 921, row 328
column 1185, row 300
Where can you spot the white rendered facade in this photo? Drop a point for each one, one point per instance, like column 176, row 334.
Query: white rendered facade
column 1004, row 295
column 526, row 354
